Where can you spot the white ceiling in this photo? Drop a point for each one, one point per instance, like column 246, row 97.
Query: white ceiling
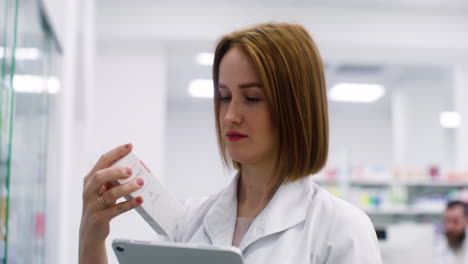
column 433, row 5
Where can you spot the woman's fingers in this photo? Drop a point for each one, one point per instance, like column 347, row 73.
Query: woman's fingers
column 122, row 190
column 123, row 207
column 109, row 158
column 101, row 190
column 106, row 177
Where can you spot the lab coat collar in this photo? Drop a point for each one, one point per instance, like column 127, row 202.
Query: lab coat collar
column 287, row 208
column 220, row 220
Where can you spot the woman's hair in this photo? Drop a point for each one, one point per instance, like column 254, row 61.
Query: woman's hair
column 292, row 75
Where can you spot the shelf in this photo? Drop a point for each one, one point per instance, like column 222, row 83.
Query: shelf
column 409, row 184
column 438, row 184
column 410, row 188
column 402, row 211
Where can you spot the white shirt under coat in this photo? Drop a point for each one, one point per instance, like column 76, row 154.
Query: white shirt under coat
column 302, row 223
column 446, row 255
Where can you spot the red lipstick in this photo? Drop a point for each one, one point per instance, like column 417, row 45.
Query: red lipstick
column 235, row 136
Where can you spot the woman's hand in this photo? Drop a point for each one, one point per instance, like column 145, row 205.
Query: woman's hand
column 100, row 193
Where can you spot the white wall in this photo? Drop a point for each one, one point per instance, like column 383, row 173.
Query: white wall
column 419, row 139
column 194, row 167
column 361, row 133
column 130, row 106
column 461, row 105
column 130, row 101
column 61, row 220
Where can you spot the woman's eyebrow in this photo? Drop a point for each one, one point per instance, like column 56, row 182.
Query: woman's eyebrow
column 242, row 86
column 222, row 86
column 250, row 85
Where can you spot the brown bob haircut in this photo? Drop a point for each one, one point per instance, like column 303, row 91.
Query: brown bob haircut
column 291, row 71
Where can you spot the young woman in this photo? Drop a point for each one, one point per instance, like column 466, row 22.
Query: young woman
column 272, row 126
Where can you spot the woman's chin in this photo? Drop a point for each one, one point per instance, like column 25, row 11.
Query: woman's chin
column 238, row 157
column 243, row 159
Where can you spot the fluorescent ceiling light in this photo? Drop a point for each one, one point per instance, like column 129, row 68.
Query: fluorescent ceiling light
column 450, row 119
column 24, row 53
column 205, row 58
column 35, row 84
column 201, row 88
column 27, row 54
column 356, row 92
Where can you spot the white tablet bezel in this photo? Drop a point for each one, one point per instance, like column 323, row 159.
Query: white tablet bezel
column 142, row 252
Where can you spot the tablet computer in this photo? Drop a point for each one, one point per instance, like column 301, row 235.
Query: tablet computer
column 131, row 251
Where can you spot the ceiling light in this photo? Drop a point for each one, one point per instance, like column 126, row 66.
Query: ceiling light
column 24, row 53
column 35, row 84
column 356, row 92
column 450, row 119
column 205, row 58
column 201, row 88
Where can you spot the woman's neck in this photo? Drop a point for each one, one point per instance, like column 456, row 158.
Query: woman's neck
column 254, row 191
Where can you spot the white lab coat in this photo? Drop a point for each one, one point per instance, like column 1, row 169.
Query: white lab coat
column 446, row 255
column 302, row 223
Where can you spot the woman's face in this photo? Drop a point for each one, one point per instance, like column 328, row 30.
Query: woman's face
column 244, row 116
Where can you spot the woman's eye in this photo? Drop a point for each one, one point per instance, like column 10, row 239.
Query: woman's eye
column 252, row 99
column 224, row 98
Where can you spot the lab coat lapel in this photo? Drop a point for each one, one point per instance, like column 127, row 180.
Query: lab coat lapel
column 220, row 220
column 287, row 208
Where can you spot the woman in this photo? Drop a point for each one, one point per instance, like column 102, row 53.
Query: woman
column 272, row 126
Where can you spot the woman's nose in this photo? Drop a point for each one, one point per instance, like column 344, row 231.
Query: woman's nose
column 233, row 114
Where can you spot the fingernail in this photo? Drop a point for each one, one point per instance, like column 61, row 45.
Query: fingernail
column 140, row 181
column 129, row 171
column 139, row 199
column 127, row 146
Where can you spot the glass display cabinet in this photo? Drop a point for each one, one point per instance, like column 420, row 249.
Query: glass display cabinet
column 27, row 83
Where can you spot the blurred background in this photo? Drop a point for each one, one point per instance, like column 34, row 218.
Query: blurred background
column 81, row 77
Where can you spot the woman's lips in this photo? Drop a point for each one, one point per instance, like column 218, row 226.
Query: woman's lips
column 236, row 138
